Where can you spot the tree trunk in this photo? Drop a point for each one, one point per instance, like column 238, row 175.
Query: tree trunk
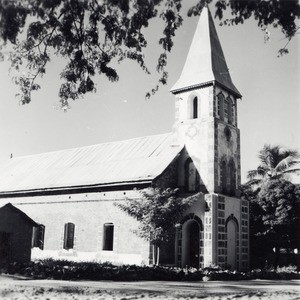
column 153, row 254
column 157, row 256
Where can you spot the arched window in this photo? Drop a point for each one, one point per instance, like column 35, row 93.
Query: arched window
column 108, row 236
column 233, row 113
column 229, row 108
column 226, row 108
column 195, row 108
column 223, row 177
column 232, row 176
column 191, row 176
column 220, row 100
column 69, row 236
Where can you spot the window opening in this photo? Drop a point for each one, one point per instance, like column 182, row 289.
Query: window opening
column 223, row 176
column 108, row 236
column 191, row 176
column 221, row 106
column 233, row 113
column 232, row 176
column 195, row 108
column 229, row 108
column 38, row 235
column 69, row 236
column 226, row 109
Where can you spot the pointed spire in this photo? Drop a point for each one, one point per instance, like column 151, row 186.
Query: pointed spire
column 205, row 62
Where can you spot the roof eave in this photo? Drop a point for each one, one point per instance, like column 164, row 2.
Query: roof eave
column 191, row 87
column 203, row 85
column 76, row 187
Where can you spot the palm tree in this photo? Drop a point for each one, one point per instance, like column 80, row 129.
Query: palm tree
column 275, row 163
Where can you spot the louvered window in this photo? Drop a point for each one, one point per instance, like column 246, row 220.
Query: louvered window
column 220, row 101
column 229, row 108
column 38, row 235
column 108, row 236
column 69, row 236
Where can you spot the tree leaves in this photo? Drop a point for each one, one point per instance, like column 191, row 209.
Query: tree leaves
column 275, row 213
column 157, row 211
column 275, row 163
column 90, row 35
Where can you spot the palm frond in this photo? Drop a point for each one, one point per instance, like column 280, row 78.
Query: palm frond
column 261, row 171
column 291, row 171
column 277, row 160
column 292, row 153
column 285, row 163
column 253, row 182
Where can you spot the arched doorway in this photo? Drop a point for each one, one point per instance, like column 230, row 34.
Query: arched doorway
column 232, row 229
column 190, row 244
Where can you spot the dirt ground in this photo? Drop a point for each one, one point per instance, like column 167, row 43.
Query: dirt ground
column 16, row 288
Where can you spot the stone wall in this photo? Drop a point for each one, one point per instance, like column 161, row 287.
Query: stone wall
column 197, row 134
column 169, row 178
column 89, row 213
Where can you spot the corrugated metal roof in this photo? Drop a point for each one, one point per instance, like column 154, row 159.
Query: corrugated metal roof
column 205, row 62
column 131, row 160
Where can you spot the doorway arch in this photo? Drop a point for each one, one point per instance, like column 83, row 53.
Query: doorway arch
column 232, row 242
column 192, row 242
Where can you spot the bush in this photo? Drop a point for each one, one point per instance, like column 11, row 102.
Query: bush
column 68, row 270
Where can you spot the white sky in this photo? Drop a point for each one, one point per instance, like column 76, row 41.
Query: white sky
column 268, row 113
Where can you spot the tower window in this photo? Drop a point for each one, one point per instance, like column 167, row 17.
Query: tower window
column 233, row 113
column 220, row 101
column 195, row 108
column 69, row 236
column 232, row 176
column 229, row 108
column 227, row 133
column 108, row 236
column 223, row 177
column 226, row 108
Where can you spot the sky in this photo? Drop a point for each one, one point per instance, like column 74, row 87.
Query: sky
column 269, row 112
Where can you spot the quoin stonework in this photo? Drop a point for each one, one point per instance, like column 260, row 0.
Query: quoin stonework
column 69, row 195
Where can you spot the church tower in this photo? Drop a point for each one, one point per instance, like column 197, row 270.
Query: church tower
column 206, row 122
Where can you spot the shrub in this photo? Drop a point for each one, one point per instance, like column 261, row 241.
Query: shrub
column 68, row 270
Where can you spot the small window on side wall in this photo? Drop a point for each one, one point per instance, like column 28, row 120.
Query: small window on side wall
column 108, row 237
column 38, row 235
column 69, row 236
column 195, row 108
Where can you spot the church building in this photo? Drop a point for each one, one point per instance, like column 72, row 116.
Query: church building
column 70, row 194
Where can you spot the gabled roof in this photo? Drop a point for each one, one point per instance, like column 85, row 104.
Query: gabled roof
column 135, row 160
column 205, row 62
column 19, row 212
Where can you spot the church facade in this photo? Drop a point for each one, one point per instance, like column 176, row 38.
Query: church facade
column 71, row 193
